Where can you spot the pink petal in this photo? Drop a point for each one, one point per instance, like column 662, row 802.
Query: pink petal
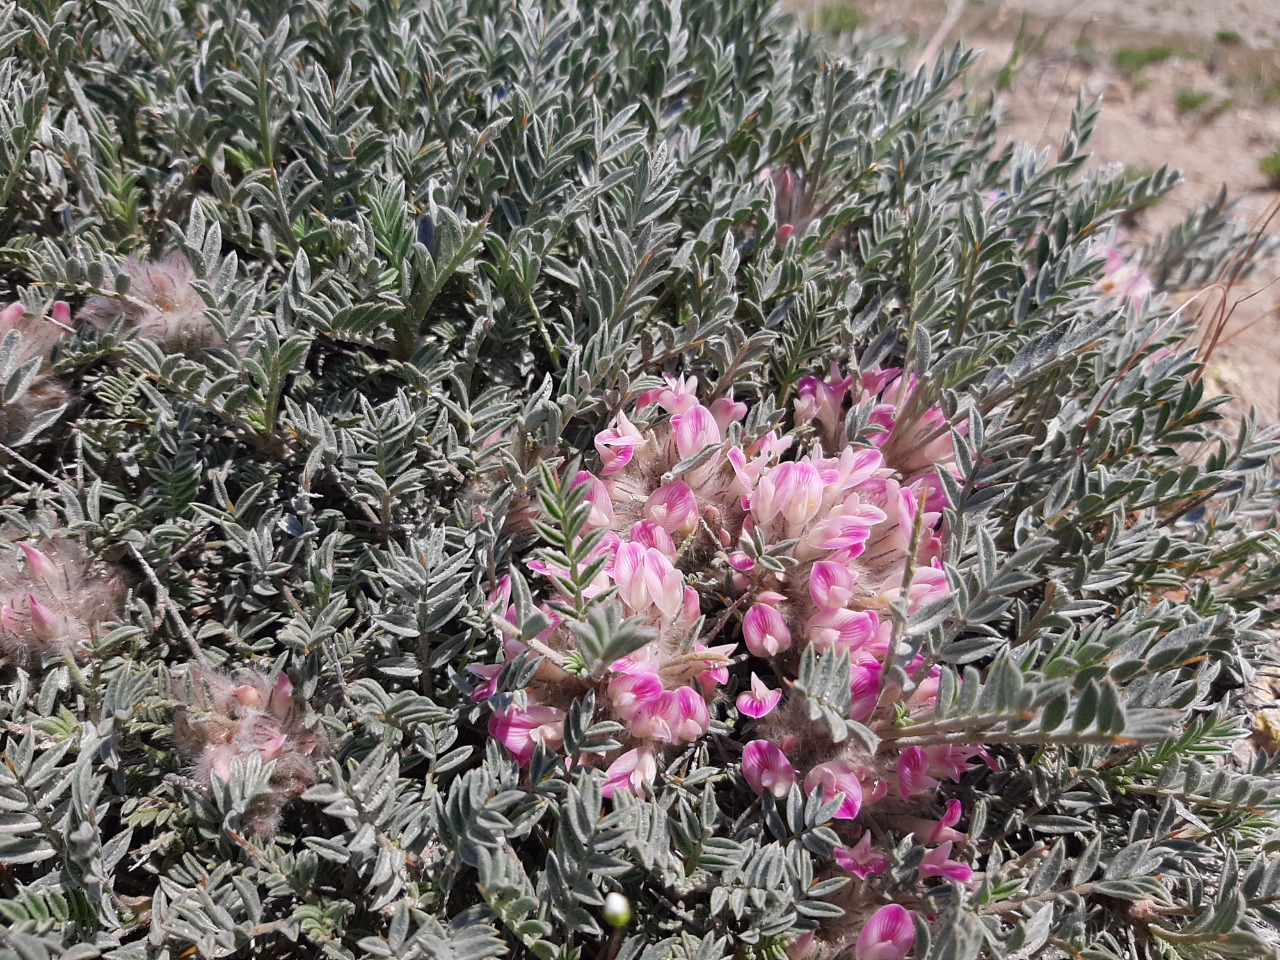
column 888, row 935
column 759, row 701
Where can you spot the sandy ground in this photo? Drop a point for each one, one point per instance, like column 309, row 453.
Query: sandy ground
column 1210, row 109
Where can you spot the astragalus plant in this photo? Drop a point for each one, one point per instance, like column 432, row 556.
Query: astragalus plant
column 620, row 480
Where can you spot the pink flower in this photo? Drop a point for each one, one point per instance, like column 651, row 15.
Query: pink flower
column 928, row 585
column 673, row 507
column 925, row 695
column 802, row 946
column 692, row 718
column 520, row 731
column 765, row 631
column 836, row 777
column 649, row 534
column 864, row 684
column 846, row 534
column 601, row 507
column 792, row 490
column 646, row 577
column 679, row 395
column 717, row 674
column 11, row 316
column 630, row 772
column 888, row 935
column 822, row 399
column 500, row 594
column 1122, row 278
column 696, row 429
column 766, row 769
column 831, row 584
column 759, row 701
column 938, row 863
column 280, row 700
column 632, row 692
column 726, row 410
column 842, row 629
column 913, row 776
column 44, row 622
column 488, row 674
column 862, row 859
column 936, row 831
column 616, row 445
column 857, row 465
column 656, row 718
column 950, row 760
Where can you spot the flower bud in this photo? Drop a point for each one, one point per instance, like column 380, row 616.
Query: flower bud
column 617, row 910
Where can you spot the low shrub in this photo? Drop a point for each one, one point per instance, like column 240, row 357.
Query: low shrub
column 621, row 480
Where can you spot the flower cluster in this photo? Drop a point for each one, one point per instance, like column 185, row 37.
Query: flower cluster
column 807, row 539
column 161, row 304
column 224, row 719
column 45, row 391
column 52, row 599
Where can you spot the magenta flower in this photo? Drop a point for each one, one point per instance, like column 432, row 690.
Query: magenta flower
column 645, row 578
column 649, row 534
column 837, row 778
column 767, row 770
column 692, row 718
column 759, row 701
column 822, row 400
column 520, row 731
column 862, row 859
column 488, row 674
column 888, row 935
column 679, row 395
column 765, row 631
column 938, row 863
column 913, row 772
column 617, row 445
column 50, row 598
column 935, row 831
column 864, row 684
column 950, row 760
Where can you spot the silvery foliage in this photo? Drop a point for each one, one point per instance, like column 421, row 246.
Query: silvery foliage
column 452, row 238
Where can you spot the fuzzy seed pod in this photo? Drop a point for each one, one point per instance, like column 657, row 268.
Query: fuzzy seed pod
column 161, row 305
